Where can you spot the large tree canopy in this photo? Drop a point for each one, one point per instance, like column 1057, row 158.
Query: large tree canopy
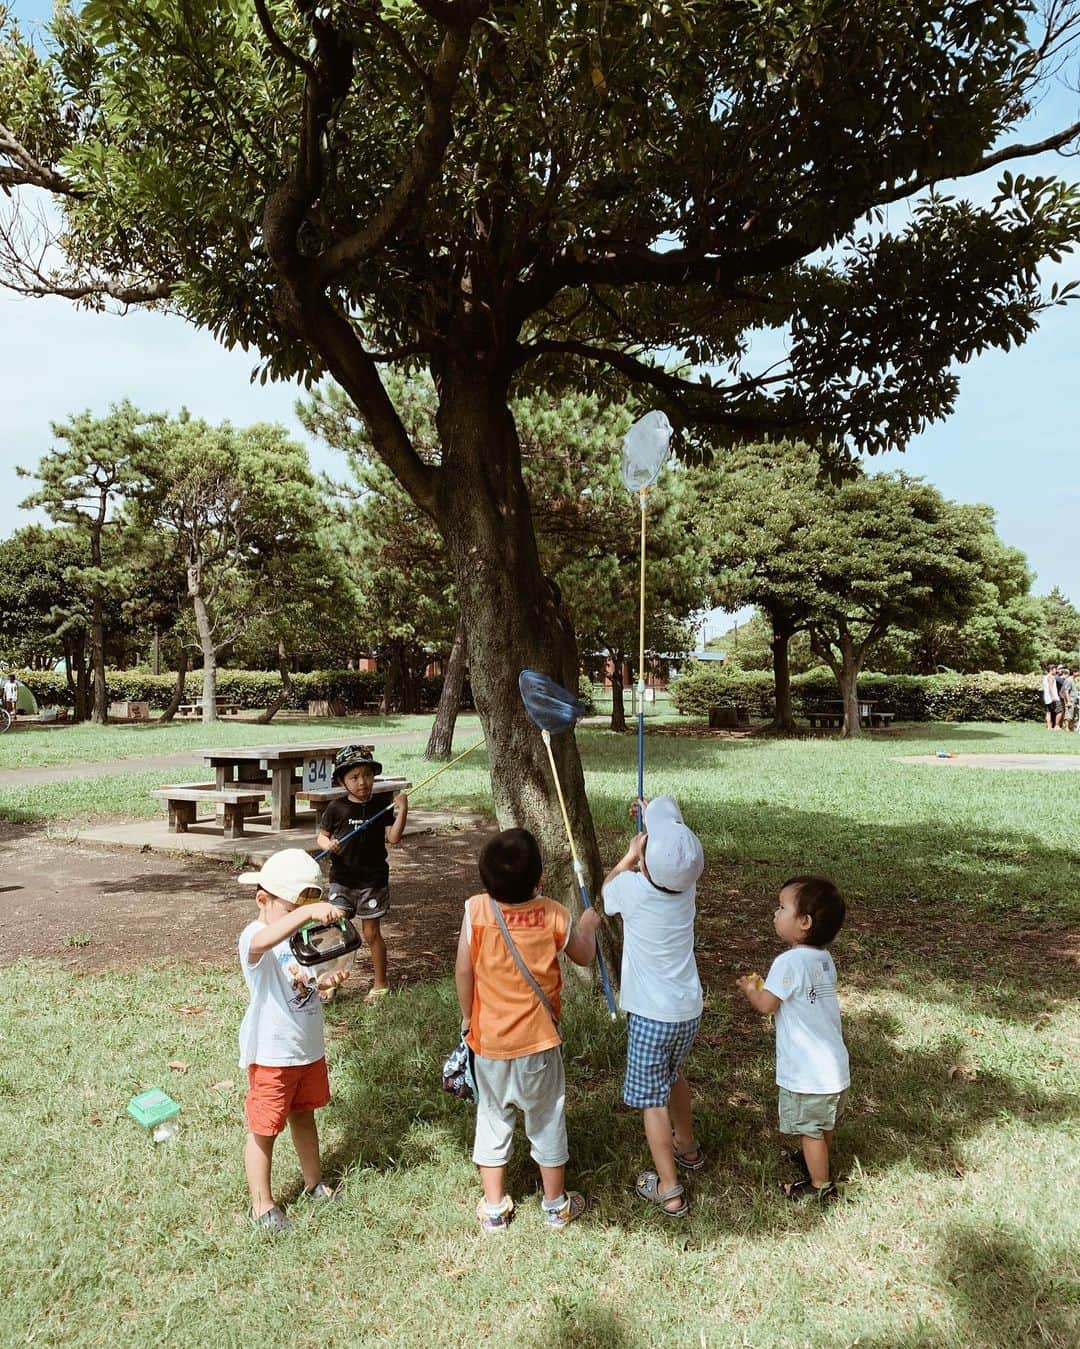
column 519, row 193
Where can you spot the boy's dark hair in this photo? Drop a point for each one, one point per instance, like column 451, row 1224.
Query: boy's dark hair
column 511, row 866
column 820, row 900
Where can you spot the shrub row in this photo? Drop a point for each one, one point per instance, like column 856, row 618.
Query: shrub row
column 943, row 697
column 248, row 688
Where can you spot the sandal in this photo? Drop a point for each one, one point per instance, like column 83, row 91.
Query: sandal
column 686, row 1158
column 647, row 1187
column 493, row 1223
column 373, row 995
column 799, row 1190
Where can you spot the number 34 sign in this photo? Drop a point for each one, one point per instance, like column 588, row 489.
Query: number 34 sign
column 318, row 775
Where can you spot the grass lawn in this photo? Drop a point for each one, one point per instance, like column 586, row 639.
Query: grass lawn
column 956, row 1228
column 83, row 742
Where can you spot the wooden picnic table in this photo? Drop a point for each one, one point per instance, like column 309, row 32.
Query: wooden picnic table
column 252, row 763
column 832, row 710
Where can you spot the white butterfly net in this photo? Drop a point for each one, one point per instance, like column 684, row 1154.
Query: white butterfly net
column 645, row 449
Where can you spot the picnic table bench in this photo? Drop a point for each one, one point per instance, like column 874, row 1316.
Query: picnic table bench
column 830, row 715
column 182, row 802
column 221, row 707
column 825, row 721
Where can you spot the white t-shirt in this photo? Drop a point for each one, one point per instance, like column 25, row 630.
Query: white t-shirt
column 659, row 973
column 810, row 1052
column 283, row 1025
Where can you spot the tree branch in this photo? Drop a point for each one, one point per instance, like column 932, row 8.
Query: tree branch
column 617, row 264
column 27, row 240
column 1002, row 156
column 421, row 170
column 278, row 44
column 711, row 412
column 26, row 171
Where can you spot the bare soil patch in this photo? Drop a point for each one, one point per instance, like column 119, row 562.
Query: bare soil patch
column 93, row 909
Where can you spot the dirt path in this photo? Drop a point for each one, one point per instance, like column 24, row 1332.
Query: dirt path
column 92, row 909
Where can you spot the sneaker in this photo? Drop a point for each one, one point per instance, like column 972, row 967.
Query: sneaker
column 323, row 1194
column 273, row 1220
column 573, row 1206
column 491, row 1223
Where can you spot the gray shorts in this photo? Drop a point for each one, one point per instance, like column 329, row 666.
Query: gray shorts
column 361, row 901
column 534, row 1084
column 810, row 1114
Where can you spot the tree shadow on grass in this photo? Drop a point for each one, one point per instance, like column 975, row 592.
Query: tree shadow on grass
column 1001, row 1294
column 390, row 1112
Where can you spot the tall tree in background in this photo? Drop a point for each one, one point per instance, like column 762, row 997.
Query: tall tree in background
column 1004, row 631
column 45, row 609
column 1062, row 625
column 762, row 505
column 885, row 552
column 514, row 194
column 240, row 511
column 84, row 482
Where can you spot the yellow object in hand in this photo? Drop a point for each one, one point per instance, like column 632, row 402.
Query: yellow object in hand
column 756, row 980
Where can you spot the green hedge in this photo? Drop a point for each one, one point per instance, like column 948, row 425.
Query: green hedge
column 973, row 697
column 249, row 688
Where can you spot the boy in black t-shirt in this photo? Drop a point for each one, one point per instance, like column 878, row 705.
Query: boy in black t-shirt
column 359, row 873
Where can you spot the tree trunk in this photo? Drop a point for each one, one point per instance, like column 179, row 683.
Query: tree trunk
column 849, row 690
column 512, row 617
column 206, row 644
column 618, row 707
column 393, row 699
column 100, row 712
column 278, row 702
column 783, row 717
column 440, row 743
column 846, row 669
column 178, row 691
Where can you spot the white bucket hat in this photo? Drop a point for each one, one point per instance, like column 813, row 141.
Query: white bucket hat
column 286, row 875
column 673, row 853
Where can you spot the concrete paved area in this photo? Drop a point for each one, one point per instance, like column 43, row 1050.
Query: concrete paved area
column 206, row 839
column 1043, row 763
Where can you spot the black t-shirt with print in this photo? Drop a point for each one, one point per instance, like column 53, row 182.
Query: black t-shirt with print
column 362, row 860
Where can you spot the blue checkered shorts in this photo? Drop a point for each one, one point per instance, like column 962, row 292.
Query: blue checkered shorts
column 654, row 1052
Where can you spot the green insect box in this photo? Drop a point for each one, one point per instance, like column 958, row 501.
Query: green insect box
column 153, row 1107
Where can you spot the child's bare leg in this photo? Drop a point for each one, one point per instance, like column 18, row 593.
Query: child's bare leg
column 681, row 1112
column 816, row 1152
column 258, row 1153
column 377, row 946
column 554, row 1178
column 662, row 1147
column 305, row 1137
column 493, row 1179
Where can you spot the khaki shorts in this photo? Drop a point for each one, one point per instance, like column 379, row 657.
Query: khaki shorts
column 810, row 1115
column 535, row 1084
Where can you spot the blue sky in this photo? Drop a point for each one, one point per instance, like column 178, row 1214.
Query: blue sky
column 1013, row 440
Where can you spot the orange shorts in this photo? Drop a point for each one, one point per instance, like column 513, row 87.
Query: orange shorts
column 276, row 1093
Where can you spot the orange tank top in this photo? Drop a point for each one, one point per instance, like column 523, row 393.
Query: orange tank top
column 508, row 1020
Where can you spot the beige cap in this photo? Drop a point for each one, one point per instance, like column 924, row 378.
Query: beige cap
column 286, row 875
